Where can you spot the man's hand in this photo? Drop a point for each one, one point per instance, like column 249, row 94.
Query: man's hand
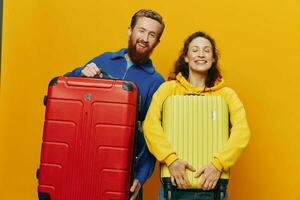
column 135, row 188
column 91, row 70
column 209, row 176
column 177, row 170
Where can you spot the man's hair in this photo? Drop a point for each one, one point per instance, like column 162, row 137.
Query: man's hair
column 149, row 14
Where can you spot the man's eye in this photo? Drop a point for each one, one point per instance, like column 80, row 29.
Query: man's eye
column 152, row 35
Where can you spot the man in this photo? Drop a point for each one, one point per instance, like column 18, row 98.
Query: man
column 134, row 64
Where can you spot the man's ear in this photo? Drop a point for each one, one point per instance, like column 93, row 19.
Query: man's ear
column 129, row 31
column 157, row 42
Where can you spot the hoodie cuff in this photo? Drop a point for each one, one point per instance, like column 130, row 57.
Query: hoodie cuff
column 218, row 165
column 170, row 159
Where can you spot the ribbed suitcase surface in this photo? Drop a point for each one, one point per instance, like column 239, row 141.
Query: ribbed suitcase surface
column 197, row 127
column 87, row 149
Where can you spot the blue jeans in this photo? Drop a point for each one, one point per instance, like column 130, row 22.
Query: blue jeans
column 190, row 195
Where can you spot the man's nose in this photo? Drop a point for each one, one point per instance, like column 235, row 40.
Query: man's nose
column 145, row 37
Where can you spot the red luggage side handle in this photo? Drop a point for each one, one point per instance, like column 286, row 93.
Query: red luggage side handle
column 93, row 82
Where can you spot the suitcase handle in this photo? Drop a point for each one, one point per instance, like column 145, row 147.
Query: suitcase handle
column 105, row 73
column 194, row 95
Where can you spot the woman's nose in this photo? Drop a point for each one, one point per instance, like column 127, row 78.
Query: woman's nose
column 201, row 53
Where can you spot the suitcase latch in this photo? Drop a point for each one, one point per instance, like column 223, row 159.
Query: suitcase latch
column 88, row 97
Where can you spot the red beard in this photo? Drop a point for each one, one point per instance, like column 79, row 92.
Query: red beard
column 138, row 57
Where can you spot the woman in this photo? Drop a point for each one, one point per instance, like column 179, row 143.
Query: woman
column 196, row 72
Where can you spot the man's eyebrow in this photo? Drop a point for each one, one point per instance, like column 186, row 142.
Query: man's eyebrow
column 153, row 32
column 144, row 29
column 140, row 27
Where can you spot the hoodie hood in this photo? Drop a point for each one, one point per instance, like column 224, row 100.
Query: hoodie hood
column 189, row 89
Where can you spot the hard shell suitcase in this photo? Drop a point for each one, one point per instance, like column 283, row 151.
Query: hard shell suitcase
column 88, row 140
column 197, row 126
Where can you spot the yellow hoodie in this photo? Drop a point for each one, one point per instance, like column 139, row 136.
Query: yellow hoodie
column 239, row 131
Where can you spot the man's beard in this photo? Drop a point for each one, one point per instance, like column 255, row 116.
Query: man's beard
column 134, row 55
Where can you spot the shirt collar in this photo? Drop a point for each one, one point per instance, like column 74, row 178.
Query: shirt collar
column 147, row 67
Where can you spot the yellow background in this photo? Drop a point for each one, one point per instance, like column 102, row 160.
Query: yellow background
column 260, row 56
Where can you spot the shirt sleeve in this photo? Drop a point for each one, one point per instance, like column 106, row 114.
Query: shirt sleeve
column 155, row 85
column 145, row 165
column 75, row 73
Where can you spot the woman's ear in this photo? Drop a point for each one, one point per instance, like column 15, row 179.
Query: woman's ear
column 186, row 59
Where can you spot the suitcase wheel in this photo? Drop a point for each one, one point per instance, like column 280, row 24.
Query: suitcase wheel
column 44, row 196
column 37, row 173
column 45, row 100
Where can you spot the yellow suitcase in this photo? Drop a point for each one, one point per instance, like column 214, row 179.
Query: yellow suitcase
column 197, row 127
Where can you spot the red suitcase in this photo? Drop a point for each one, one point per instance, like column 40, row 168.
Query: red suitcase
column 88, row 140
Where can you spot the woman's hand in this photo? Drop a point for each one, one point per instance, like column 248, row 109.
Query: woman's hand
column 177, row 170
column 209, row 176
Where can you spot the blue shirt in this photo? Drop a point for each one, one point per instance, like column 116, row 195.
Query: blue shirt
column 147, row 80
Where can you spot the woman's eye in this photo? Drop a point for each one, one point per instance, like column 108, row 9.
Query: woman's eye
column 207, row 50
